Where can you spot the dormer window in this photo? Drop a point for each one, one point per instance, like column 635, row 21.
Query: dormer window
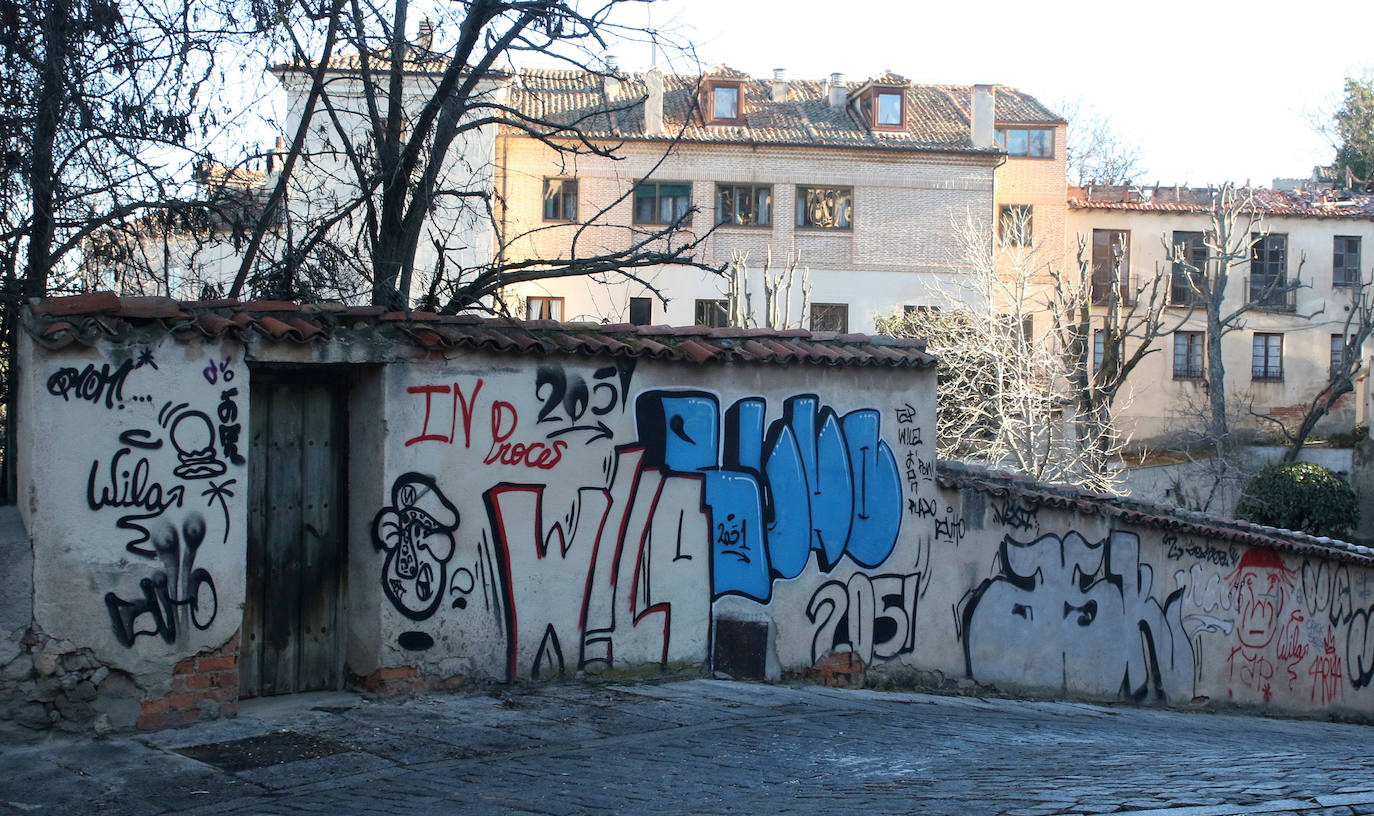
column 883, row 107
column 889, row 109
column 723, row 103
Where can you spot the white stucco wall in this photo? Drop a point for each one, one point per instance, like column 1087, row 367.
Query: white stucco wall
column 520, row 517
column 132, row 458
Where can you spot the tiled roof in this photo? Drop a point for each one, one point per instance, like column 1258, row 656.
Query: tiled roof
column 1171, row 519
column 1199, row 200
column 938, row 115
column 87, row 319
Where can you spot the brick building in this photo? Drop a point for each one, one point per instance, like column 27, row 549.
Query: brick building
column 861, row 184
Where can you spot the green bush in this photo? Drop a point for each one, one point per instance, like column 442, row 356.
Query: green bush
column 1300, row 496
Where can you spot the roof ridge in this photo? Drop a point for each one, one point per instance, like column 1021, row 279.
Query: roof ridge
column 60, row 321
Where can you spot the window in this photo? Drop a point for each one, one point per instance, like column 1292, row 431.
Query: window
column 641, row 311
column 662, row 202
column 1187, row 286
column 1345, row 261
column 744, row 205
column 1014, row 225
column 1034, row 143
column 721, row 103
column 544, row 308
column 1269, row 273
column 825, row 207
column 713, row 313
column 1337, row 352
column 831, row 317
column 560, row 199
column 890, row 108
column 1111, row 251
column 1266, row 359
column 1099, row 349
column 1188, row 355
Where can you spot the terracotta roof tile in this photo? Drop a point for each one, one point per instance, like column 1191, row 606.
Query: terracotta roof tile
column 90, row 318
column 998, row 483
column 1198, row 200
column 939, row 118
column 91, row 303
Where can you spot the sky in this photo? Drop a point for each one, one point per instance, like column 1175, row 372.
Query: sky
column 1210, row 91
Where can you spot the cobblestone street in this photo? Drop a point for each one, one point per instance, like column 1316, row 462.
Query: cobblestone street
column 702, row 746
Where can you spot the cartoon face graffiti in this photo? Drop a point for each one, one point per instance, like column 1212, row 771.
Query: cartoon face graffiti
column 1259, row 586
column 417, row 534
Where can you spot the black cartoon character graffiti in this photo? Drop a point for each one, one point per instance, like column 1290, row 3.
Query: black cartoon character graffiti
column 417, row 534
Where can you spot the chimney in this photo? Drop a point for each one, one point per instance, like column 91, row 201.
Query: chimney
column 274, row 156
column 426, row 38
column 980, row 123
column 779, row 85
column 835, row 91
column 653, row 104
column 610, row 82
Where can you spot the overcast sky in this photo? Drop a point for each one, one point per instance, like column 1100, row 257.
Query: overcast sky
column 1211, row 91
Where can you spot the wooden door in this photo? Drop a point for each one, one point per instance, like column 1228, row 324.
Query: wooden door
column 291, row 639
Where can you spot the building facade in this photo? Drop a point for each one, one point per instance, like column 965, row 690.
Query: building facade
column 860, row 187
column 1283, row 350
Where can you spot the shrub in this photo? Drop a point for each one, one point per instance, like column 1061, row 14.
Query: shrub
column 1300, row 496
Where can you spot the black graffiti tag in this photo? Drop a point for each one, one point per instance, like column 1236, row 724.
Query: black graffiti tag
column 130, row 486
column 91, row 384
column 229, row 429
column 175, row 598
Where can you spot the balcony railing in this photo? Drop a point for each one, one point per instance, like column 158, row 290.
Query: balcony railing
column 1271, row 295
column 1266, row 373
column 1102, row 290
column 1189, row 372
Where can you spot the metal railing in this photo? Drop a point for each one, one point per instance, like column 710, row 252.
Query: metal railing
column 1271, row 295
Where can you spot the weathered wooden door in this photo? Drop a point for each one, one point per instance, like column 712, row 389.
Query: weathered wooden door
column 296, row 539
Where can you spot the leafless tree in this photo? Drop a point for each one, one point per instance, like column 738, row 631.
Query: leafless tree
column 777, row 292
column 1235, row 227
column 1105, row 323
column 1356, row 328
column 1006, row 393
column 105, row 106
column 1095, row 152
column 385, row 166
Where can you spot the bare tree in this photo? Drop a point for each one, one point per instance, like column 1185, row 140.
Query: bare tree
column 1356, row 328
column 105, row 107
column 777, row 291
column 1006, row 393
column 1095, row 153
column 1235, row 229
column 1105, row 323
column 387, row 178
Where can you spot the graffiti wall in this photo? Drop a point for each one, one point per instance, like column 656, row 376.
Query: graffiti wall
column 576, row 516
column 531, row 518
column 132, row 490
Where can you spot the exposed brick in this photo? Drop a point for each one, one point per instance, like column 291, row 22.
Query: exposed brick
column 191, row 682
column 223, row 679
column 210, row 664
column 158, row 706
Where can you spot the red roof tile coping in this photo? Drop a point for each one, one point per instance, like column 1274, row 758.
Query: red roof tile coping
column 92, row 303
column 270, row 306
column 997, row 483
column 102, row 315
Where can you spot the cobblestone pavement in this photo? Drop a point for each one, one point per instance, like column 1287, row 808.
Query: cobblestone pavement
column 702, row 746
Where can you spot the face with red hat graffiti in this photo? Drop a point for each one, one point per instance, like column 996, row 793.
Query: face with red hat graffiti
column 1259, row 586
column 416, row 532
